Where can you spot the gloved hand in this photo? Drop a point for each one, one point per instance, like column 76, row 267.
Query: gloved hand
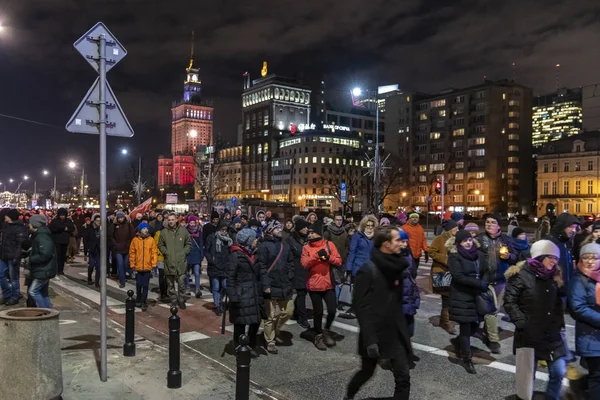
column 520, row 324
column 323, row 256
column 484, row 285
column 373, row 350
column 426, row 257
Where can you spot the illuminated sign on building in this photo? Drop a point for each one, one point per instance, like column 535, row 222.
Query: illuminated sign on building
column 306, row 127
column 334, row 128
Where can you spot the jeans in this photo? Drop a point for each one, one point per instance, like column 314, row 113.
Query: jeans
column 300, row 305
column 557, row 370
column 10, row 288
column 122, row 265
column 94, row 264
column 317, row 302
column 593, row 391
column 217, row 285
column 142, row 281
column 400, row 370
column 39, row 292
column 195, row 268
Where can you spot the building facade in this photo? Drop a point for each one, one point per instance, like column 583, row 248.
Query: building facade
column 309, row 168
column 271, row 106
column 568, row 178
column 191, row 126
column 477, row 138
column 226, row 173
column 556, row 115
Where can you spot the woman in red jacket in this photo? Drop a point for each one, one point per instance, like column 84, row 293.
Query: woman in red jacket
column 318, row 256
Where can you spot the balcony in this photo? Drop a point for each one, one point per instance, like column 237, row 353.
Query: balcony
column 569, row 196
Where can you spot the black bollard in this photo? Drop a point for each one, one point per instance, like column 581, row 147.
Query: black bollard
column 174, row 374
column 129, row 346
column 242, row 377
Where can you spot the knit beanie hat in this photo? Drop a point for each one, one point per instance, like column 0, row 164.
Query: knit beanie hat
column 300, row 224
column 462, row 235
column 590, row 248
column 596, row 226
column 253, row 222
column 472, row 227
column 273, row 225
column 403, row 235
column 517, row 231
column 414, row 214
column 456, row 216
column 13, row 214
column 62, row 211
column 496, row 217
column 547, row 248
column 401, row 216
column 192, row 218
column 449, row 224
column 38, row 220
column 384, row 221
column 142, row 226
column 120, row 214
column 245, row 237
column 214, row 215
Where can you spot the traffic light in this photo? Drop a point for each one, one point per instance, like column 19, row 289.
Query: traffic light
column 437, row 186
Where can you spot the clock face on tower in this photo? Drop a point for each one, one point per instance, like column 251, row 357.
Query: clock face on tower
column 194, row 78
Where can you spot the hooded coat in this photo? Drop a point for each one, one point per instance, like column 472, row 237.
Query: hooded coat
column 319, row 271
column 175, row 245
column 416, row 238
column 42, row 260
column 57, row 226
column 244, row 288
column 411, row 299
column 466, row 284
column 439, row 254
column 217, row 260
column 360, row 247
column 12, row 235
column 535, row 307
column 586, row 313
column 296, row 243
column 280, row 279
column 339, row 237
column 558, row 237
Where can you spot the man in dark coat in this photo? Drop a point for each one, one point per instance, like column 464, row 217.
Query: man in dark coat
column 561, row 234
column 274, row 256
column 296, row 241
column 61, row 228
column 79, row 220
column 42, row 261
column 91, row 249
column 218, row 246
column 210, row 228
column 496, row 254
column 377, row 300
column 12, row 236
column 120, row 235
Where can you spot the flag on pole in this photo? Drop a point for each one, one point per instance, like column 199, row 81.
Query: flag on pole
column 142, row 208
column 245, row 73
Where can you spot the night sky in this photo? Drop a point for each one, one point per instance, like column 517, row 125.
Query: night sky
column 421, row 45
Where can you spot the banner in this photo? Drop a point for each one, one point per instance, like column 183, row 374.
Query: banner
column 142, row 208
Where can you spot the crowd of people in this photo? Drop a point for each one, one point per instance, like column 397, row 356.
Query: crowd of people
column 261, row 270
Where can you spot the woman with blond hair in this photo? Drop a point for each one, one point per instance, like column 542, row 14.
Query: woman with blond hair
column 361, row 244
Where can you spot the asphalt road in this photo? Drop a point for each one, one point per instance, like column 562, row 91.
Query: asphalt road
column 300, row 371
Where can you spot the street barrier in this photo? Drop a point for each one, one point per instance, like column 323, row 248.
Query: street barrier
column 129, row 346
column 174, row 374
column 31, row 366
column 242, row 377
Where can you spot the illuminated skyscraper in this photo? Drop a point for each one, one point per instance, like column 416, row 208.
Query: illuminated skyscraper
column 556, row 115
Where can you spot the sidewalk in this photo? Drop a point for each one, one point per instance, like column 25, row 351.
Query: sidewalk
column 131, row 378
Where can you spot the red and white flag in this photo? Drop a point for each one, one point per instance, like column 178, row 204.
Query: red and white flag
column 142, row 208
column 245, row 73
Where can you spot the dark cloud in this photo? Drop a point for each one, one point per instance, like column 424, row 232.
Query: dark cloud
column 426, row 46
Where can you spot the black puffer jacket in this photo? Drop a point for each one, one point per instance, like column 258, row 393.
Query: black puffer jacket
column 281, row 278
column 296, row 242
column 535, row 307
column 466, row 285
column 59, row 234
column 43, row 255
column 217, row 261
column 243, row 288
column 564, row 243
column 12, row 236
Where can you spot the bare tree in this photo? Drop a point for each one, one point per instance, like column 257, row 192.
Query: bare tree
column 390, row 178
column 203, row 181
column 331, row 181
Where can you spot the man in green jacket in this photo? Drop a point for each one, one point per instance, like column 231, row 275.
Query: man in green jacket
column 175, row 244
column 42, row 261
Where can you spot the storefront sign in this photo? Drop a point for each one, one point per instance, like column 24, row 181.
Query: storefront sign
column 334, row 128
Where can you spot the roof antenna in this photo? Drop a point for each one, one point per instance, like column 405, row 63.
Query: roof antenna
column 557, row 76
column 514, row 70
column 192, row 52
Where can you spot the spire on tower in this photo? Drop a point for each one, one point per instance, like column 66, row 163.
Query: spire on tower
column 191, row 53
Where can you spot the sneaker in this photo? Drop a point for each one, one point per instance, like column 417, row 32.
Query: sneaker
column 271, row 348
column 304, row 324
column 320, row 342
column 199, row 294
column 144, row 307
column 494, row 347
column 182, row 305
column 11, row 302
column 121, row 285
column 328, row 338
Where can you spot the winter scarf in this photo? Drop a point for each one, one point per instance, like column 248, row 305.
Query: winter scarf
column 195, row 231
column 389, row 265
column 470, row 254
column 540, row 270
column 142, row 235
column 336, row 230
column 593, row 275
column 520, row 245
column 369, row 236
column 222, row 238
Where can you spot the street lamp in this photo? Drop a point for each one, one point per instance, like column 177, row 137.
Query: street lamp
column 139, row 194
column 477, row 199
column 403, row 199
column 73, row 165
column 124, row 151
column 356, row 91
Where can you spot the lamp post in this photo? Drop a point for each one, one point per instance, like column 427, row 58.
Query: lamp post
column 73, row 165
column 477, row 199
column 139, row 194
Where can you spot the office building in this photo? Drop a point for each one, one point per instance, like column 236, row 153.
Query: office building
column 568, row 177
column 556, row 115
column 591, row 108
column 478, row 138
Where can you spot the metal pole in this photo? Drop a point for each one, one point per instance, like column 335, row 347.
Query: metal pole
column 242, row 376
column 129, row 345
column 103, row 247
column 34, row 197
column 54, row 192
column 174, row 374
column 139, row 194
column 442, row 192
column 377, row 166
column 209, row 197
column 82, row 183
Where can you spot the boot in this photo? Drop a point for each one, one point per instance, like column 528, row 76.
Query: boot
column 320, row 342
column 468, row 365
column 328, row 338
column 304, row 323
column 271, row 348
column 445, row 322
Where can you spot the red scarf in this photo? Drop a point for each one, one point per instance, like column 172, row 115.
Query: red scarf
column 593, row 275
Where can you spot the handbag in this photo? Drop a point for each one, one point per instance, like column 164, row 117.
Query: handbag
column 335, row 274
column 442, row 280
column 486, row 302
column 346, row 294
